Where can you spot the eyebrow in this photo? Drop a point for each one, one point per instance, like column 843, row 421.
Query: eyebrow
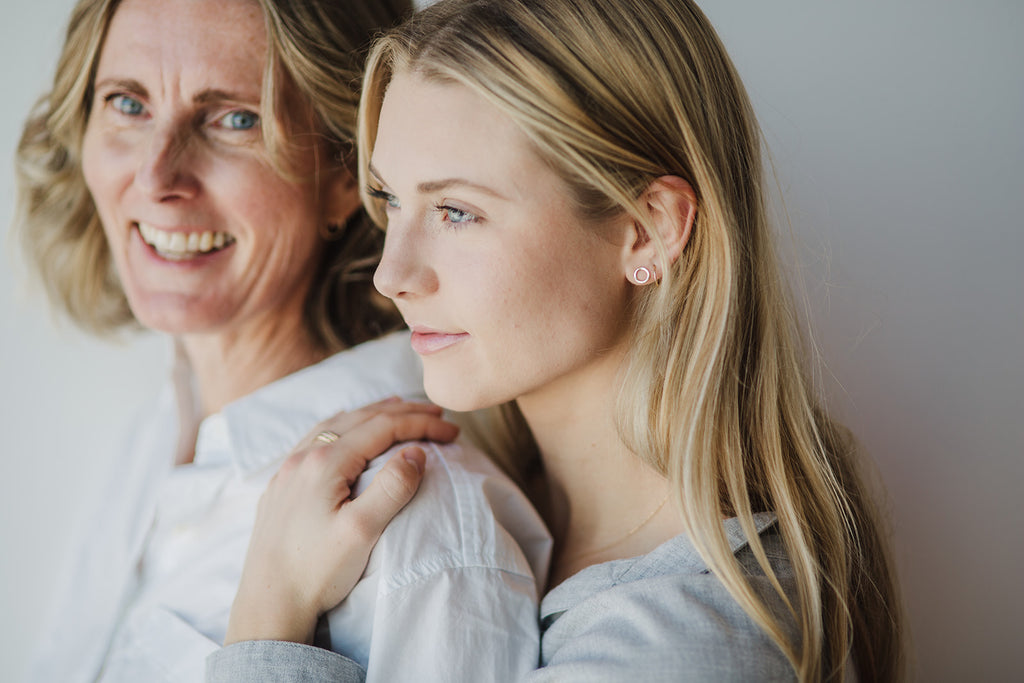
column 203, row 97
column 443, row 184
column 121, row 84
column 215, row 95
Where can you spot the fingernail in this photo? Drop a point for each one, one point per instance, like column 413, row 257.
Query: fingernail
column 415, row 457
column 391, row 399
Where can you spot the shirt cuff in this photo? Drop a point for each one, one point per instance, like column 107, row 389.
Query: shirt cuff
column 267, row 661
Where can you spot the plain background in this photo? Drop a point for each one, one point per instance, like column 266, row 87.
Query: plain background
column 897, row 131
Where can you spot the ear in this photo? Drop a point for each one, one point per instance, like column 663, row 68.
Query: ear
column 341, row 197
column 671, row 206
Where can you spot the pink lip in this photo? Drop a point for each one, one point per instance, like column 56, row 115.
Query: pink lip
column 426, row 341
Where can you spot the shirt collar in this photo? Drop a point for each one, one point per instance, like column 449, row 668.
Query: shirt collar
column 678, row 555
column 262, row 427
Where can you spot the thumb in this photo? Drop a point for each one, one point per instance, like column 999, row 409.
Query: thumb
column 391, row 489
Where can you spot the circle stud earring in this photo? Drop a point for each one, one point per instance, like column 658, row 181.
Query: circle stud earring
column 642, row 275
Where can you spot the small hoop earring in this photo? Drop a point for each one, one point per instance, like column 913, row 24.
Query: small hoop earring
column 641, row 275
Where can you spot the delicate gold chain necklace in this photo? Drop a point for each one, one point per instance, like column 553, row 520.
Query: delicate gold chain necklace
column 617, row 541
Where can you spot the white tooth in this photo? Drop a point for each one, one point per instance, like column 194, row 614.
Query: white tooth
column 178, row 242
column 218, row 240
column 146, row 232
column 206, row 241
column 193, row 241
column 161, row 240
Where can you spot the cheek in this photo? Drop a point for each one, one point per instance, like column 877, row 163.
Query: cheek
column 249, row 193
column 528, row 302
column 564, row 279
column 579, row 297
column 100, row 172
column 96, row 181
column 284, row 222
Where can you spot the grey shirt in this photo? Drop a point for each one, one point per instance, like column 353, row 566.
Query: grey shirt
column 658, row 617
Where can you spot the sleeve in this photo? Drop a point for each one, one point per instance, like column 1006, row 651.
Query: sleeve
column 459, row 624
column 273, row 661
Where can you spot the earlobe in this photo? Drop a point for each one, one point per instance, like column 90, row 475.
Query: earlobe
column 642, row 275
column 671, row 206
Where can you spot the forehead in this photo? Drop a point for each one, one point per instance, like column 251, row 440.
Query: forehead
column 199, row 39
column 429, row 130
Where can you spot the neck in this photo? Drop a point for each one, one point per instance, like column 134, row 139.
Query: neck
column 601, row 501
column 231, row 364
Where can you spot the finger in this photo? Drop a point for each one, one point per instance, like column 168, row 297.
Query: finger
column 396, row 406
column 344, row 421
column 370, row 439
column 391, row 489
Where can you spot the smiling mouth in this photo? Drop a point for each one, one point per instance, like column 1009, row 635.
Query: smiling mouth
column 181, row 246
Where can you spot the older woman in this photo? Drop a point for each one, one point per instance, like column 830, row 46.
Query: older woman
column 190, row 171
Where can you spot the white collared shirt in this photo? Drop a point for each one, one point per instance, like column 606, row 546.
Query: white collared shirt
column 454, row 579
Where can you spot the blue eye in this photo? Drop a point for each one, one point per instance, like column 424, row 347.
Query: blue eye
column 127, row 105
column 390, row 199
column 453, row 215
column 240, row 120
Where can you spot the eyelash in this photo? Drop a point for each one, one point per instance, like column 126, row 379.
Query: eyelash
column 444, row 210
column 447, row 211
column 386, row 197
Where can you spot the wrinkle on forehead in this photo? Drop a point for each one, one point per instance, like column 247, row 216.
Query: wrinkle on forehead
column 187, row 49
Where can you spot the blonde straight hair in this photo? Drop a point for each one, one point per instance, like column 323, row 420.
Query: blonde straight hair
column 316, row 50
column 614, row 94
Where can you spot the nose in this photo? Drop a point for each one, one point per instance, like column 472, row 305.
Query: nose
column 404, row 271
column 165, row 170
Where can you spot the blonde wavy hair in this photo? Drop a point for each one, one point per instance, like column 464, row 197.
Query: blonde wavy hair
column 614, row 94
column 316, row 50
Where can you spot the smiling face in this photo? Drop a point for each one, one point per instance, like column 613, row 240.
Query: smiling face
column 510, row 295
column 205, row 234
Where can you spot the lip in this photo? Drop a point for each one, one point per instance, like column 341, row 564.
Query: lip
column 426, row 341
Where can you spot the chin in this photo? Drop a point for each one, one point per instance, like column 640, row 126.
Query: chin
column 174, row 318
column 459, row 402
column 455, row 394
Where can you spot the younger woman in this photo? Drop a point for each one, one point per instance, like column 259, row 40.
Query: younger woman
column 576, row 224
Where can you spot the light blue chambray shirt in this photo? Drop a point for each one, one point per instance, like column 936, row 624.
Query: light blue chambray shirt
column 658, row 617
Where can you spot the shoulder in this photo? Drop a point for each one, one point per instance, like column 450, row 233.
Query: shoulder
column 466, row 514
column 462, row 553
column 388, row 362
column 659, row 614
column 351, row 378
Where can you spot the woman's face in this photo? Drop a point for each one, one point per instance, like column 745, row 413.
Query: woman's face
column 205, row 234
column 508, row 293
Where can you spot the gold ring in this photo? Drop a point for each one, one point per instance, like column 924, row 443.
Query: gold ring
column 326, row 436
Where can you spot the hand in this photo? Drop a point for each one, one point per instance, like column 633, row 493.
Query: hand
column 311, row 540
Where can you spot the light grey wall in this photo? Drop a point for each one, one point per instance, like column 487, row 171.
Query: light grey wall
column 65, row 399
column 896, row 132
